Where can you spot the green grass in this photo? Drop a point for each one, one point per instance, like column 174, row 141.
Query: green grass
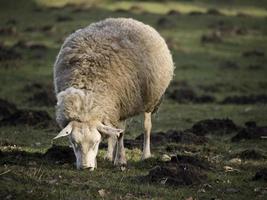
column 196, row 63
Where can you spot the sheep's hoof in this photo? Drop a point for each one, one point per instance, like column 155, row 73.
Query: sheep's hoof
column 122, row 163
column 146, row 156
column 109, row 158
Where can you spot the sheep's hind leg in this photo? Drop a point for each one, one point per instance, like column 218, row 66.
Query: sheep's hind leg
column 120, row 159
column 147, row 126
column 111, row 153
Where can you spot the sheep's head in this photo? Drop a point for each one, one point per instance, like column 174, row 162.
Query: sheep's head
column 81, row 122
column 85, row 138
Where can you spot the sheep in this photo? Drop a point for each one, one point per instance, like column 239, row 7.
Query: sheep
column 104, row 74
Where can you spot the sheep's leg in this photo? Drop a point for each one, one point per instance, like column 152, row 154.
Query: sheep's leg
column 111, row 153
column 147, row 126
column 120, row 158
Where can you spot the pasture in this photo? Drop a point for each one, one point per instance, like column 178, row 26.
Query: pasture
column 209, row 135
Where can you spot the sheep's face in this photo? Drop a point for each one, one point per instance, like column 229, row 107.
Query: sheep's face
column 85, row 139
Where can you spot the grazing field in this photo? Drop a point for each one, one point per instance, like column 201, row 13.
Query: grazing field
column 209, row 137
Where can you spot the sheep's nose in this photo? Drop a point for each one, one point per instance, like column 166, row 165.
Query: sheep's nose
column 84, row 167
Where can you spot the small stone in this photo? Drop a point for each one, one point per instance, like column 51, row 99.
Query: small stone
column 165, row 158
column 102, row 193
column 236, row 161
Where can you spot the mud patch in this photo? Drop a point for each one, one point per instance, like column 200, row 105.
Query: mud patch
column 34, row 118
column 54, row 155
column 174, row 13
column 228, row 30
column 251, row 154
column 164, row 22
column 8, row 53
column 214, row 126
column 250, row 99
column 60, row 154
column 214, row 37
column 6, row 108
column 43, row 94
column 260, row 175
column 229, row 64
column 30, row 45
column 43, row 29
column 195, row 13
column 255, row 52
column 214, row 11
column 173, row 136
column 251, row 131
column 18, row 157
column 38, row 49
column 186, row 95
column 11, row 30
column 163, row 138
column 181, row 170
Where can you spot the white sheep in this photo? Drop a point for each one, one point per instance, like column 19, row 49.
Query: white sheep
column 105, row 73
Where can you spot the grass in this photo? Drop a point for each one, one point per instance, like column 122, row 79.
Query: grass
column 197, row 64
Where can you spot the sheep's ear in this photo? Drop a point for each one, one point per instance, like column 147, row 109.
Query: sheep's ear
column 110, row 131
column 65, row 131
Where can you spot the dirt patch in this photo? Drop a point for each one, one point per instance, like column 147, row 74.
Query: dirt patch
column 251, row 131
column 250, row 99
column 214, row 11
column 30, row 45
column 10, row 30
column 163, row 138
column 38, row 49
column 56, row 155
column 6, row 108
column 250, row 154
column 227, row 29
column 173, row 136
column 229, row 64
column 213, row 37
column 174, row 13
column 43, row 94
column 172, row 44
column 43, row 29
column 255, row 52
column 243, row 15
column 36, row 118
column 18, row 157
column 60, row 154
column 186, row 95
column 132, row 144
column 43, row 98
column 8, row 54
column 195, row 13
column 164, row 22
column 214, row 126
column 260, row 175
column 181, row 170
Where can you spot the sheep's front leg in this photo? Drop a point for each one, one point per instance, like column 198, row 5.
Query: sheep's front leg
column 120, row 159
column 147, row 126
column 111, row 153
